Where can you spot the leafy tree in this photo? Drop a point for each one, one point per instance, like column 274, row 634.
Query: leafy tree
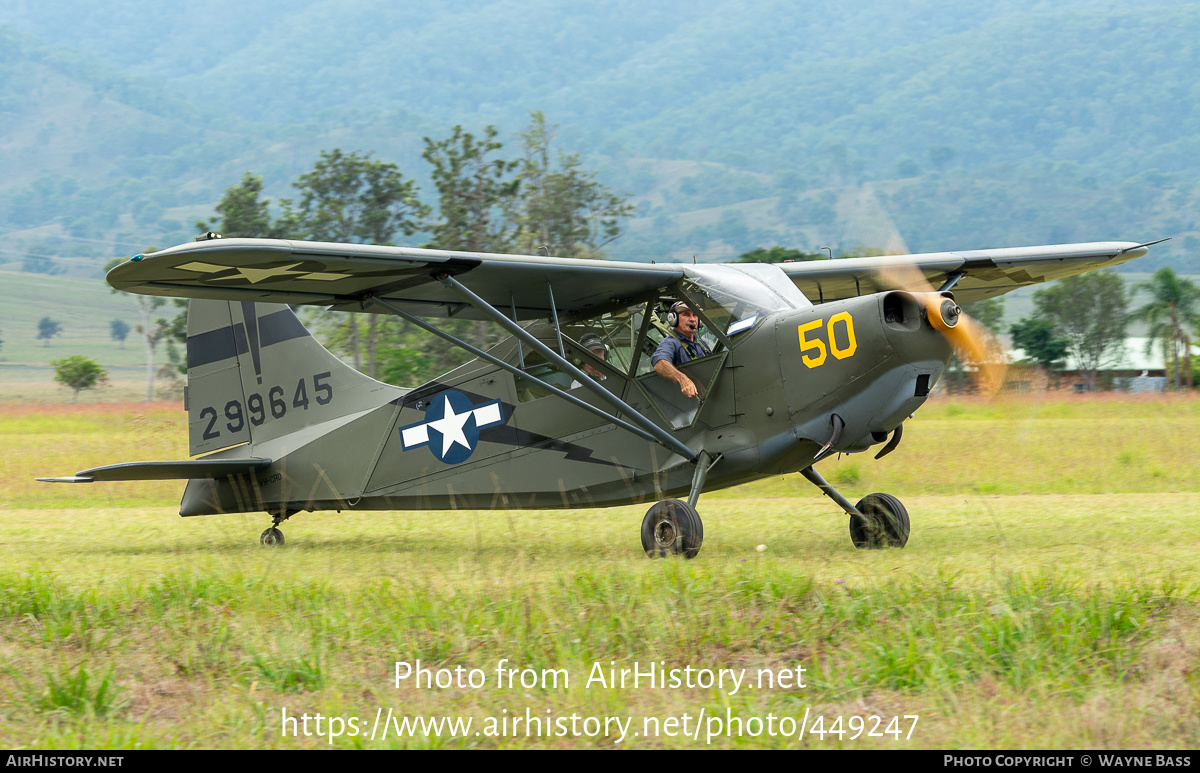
column 1173, row 309
column 777, row 254
column 78, row 373
column 355, row 198
column 47, row 329
column 176, row 333
column 147, row 329
column 405, row 365
column 988, row 312
column 243, row 213
column 1088, row 310
column 119, row 330
column 476, row 200
column 476, row 192
column 562, row 207
column 1036, row 337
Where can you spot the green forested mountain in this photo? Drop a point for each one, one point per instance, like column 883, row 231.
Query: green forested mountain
column 925, row 126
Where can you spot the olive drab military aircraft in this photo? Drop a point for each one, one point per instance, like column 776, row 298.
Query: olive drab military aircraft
column 807, row 359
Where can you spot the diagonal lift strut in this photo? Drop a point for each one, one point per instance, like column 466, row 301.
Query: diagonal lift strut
column 653, row 433
column 521, row 334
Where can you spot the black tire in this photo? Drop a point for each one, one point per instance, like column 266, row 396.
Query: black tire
column 886, row 523
column 271, row 538
column 671, row 527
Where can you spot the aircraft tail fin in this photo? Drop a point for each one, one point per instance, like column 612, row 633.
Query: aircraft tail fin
column 256, row 373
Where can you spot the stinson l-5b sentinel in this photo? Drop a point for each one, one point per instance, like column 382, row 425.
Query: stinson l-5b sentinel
column 806, row 360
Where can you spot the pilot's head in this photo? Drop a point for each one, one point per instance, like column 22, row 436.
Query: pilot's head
column 594, row 344
column 686, row 321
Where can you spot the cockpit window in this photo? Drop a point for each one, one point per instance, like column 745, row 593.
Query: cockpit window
column 614, row 334
column 727, row 295
column 600, row 347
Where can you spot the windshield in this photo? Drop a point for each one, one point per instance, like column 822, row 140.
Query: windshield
column 776, row 281
column 727, row 294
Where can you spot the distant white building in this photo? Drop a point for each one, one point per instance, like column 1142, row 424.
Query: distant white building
column 1133, row 369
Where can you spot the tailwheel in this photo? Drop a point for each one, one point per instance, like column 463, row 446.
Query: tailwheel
column 271, row 538
column 884, row 523
column 672, row 527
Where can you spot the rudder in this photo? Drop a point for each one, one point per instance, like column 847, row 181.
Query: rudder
column 256, row 373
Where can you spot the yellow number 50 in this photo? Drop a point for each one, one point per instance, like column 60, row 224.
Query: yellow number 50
column 815, row 352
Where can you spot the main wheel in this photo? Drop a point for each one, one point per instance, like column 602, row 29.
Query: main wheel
column 886, row 524
column 672, row 527
column 272, row 538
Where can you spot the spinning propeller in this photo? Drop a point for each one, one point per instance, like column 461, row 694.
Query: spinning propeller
column 972, row 342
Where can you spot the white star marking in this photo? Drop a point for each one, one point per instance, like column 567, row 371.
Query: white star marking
column 256, row 275
column 451, row 427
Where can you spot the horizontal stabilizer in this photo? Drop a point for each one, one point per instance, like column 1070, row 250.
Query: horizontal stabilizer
column 182, row 470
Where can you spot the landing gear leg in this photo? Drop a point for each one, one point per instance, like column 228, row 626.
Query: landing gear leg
column 877, row 521
column 703, row 464
column 273, row 537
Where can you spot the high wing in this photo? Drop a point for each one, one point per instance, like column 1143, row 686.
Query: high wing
column 981, row 273
column 347, row 276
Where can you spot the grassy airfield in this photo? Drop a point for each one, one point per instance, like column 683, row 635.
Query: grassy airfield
column 1046, row 599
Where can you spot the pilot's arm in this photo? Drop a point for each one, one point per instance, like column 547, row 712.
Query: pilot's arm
column 663, row 361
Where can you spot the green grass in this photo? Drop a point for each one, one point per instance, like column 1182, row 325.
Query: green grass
column 1045, row 620
column 84, row 307
column 1030, row 445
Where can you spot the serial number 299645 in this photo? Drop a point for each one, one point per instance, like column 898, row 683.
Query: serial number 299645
column 275, row 406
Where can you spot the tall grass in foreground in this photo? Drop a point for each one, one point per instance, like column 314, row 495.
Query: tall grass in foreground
column 198, row 658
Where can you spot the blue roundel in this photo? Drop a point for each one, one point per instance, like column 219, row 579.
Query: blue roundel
column 451, row 426
column 453, row 433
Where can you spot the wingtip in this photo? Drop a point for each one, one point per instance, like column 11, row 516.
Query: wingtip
column 67, row 479
column 1144, row 244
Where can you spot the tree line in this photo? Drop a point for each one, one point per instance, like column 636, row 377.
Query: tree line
column 1086, row 317
column 541, row 201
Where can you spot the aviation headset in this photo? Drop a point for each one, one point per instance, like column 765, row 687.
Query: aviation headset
column 695, row 349
column 673, row 313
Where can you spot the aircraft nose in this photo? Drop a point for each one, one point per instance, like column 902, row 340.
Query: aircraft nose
column 910, row 331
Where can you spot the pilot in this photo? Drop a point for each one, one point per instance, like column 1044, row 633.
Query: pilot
column 681, row 346
column 594, row 344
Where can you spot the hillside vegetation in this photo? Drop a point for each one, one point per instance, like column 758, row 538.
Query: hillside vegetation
column 867, row 124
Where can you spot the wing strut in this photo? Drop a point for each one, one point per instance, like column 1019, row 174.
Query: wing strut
column 951, row 281
column 661, row 435
column 652, row 437
column 554, row 311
